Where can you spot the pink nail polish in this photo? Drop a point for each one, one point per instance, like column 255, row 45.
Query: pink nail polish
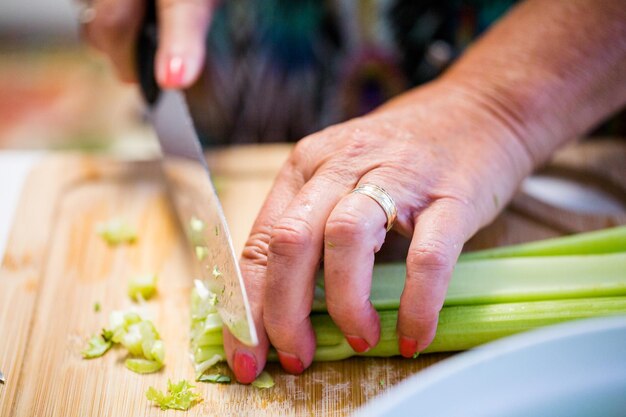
column 244, row 367
column 175, row 72
column 290, row 363
column 358, row 344
column 407, row 346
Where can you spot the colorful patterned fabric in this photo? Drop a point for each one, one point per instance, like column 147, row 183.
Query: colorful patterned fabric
column 278, row 70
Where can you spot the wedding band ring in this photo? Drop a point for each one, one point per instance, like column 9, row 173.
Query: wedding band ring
column 384, row 200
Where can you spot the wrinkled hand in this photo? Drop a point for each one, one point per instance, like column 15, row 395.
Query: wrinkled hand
column 448, row 162
column 183, row 25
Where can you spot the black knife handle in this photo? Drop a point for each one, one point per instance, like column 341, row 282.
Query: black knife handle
column 145, row 53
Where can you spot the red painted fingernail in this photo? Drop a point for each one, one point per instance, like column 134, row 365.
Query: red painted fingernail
column 358, row 344
column 244, row 367
column 174, row 72
column 407, row 346
column 290, row 363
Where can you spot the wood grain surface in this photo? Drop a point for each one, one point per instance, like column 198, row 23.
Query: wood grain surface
column 56, row 268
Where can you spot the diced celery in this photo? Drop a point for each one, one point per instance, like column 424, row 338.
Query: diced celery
column 142, row 366
column 98, row 346
column 264, row 380
column 214, row 378
column 142, row 287
column 116, row 232
column 179, row 396
column 138, row 336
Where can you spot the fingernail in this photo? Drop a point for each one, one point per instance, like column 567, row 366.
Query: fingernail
column 174, row 72
column 244, row 367
column 407, row 346
column 290, row 363
column 358, row 344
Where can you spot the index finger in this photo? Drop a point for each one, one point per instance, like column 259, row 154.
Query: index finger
column 245, row 361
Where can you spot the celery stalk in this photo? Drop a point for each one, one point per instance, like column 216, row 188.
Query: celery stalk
column 492, row 294
column 508, row 279
column 600, row 241
column 462, row 327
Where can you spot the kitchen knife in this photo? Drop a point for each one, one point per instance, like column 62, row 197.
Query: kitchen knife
column 190, row 187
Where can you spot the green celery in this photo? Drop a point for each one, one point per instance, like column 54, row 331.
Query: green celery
column 179, row 396
column 492, row 294
column 142, row 366
column 508, row 279
column 462, row 327
column 600, row 241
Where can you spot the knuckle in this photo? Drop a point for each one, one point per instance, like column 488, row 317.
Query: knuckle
column 303, row 148
column 290, row 236
column 346, row 227
column 255, row 250
column 358, row 145
column 429, row 257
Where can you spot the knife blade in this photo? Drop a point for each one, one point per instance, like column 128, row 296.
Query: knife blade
column 190, row 187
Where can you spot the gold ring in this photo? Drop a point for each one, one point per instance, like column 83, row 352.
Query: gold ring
column 384, row 200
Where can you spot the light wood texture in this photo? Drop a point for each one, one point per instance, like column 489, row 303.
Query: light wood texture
column 56, row 268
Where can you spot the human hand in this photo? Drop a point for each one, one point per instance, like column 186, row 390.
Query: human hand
column 449, row 163
column 183, row 25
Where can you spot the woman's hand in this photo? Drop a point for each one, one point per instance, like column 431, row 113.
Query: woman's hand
column 183, row 25
column 449, row 166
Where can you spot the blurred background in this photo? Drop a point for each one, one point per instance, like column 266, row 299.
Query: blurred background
column 56, row 93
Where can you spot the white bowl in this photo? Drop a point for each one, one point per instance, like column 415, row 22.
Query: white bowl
column 572, row 369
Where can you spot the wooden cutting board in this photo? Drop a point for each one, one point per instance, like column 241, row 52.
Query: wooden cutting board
column 56, row 268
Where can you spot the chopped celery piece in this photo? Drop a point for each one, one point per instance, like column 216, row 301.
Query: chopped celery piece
column 214, row 378
column 201, row 367
column 107, row 334
column 142, row 366
column 116, row 232
column 142, row 287
column 158, row 351
column 142, row 339
column 201, row 290
column 196, row 231
column 120, row 320
column 205, row 353
column 202, row 252
column 216, row 272
column 98, row 346
column 96, row 307
column 196, row 225
column 137, row 335
column 179, row 396
column 264, row 380
column 212, row 322
column 131, row 339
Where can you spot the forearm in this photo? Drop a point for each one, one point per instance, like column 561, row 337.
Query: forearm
column 548, row 71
